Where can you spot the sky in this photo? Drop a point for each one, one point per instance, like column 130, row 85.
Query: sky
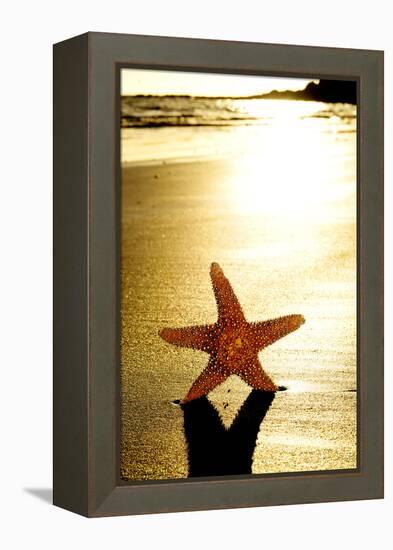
column 153, row 82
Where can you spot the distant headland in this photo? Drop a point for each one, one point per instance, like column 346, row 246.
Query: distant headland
column 328, row 91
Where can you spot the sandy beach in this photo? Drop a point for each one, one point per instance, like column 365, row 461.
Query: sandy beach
column 282, row 257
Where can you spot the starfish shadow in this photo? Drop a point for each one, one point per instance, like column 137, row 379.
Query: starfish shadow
column 214, row 450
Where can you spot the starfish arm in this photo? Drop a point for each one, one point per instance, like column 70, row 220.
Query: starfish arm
column 267, row 332
column 213, row 375
column 228, row 306
column 198, row 337
column 256, row 377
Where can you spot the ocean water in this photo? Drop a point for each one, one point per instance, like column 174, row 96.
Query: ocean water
column 157, row 129
column 273, row 201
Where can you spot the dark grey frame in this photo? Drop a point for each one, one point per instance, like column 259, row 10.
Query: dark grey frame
column 86, row 207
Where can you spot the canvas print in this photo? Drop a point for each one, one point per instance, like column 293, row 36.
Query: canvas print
column 238, row 269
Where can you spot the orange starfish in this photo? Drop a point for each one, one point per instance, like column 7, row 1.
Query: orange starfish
column 232, row 342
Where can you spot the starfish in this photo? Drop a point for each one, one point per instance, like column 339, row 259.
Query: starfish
column 232, row 343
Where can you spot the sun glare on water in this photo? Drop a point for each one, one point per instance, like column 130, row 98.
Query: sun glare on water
column 290, row 169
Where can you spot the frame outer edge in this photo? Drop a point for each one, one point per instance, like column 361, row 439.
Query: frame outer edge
column 105, row 50
column 70, row 263
column 372, row 272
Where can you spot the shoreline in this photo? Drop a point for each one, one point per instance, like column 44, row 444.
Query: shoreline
column 146, row 163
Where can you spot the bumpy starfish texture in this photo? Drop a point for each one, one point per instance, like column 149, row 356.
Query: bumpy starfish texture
column 232, row 342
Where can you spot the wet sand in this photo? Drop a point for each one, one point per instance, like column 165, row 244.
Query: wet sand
column 281, row 259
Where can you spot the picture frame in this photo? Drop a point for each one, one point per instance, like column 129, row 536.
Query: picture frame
column 86, row 478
